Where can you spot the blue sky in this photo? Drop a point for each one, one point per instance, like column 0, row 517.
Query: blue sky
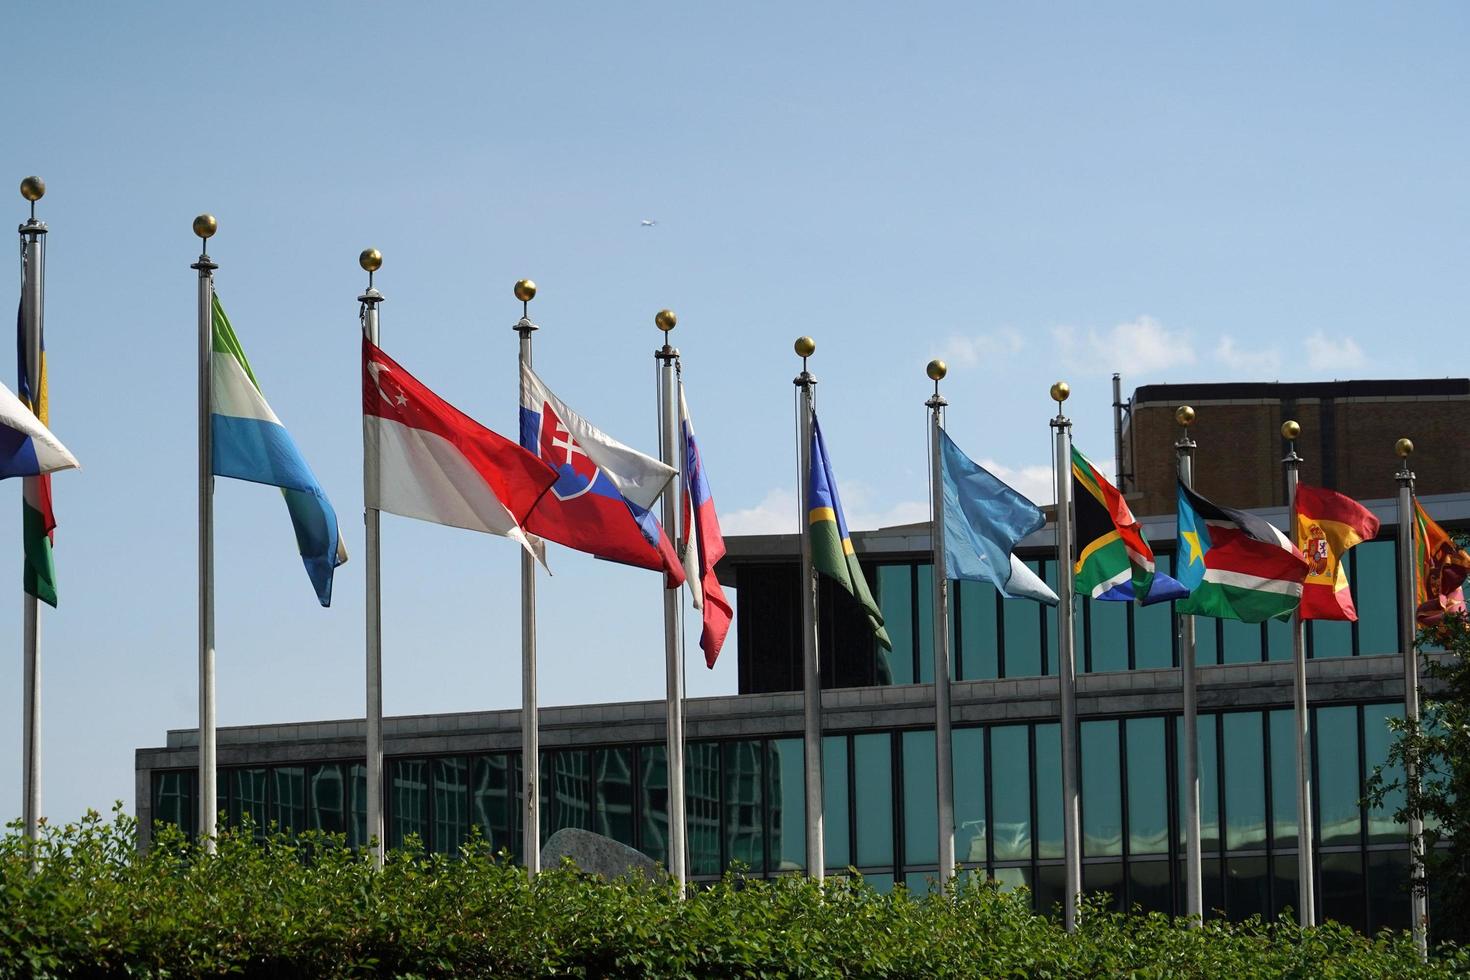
column 1250, row 191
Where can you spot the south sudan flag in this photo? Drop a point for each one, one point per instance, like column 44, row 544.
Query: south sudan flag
column 1236, row 565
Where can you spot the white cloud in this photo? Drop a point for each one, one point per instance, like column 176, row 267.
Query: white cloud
column 1334, row 354
column 1139, row 345
column 777, row 512
column 970, row 351
column 1264, row 364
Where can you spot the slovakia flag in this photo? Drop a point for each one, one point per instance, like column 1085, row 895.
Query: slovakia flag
column 604, row 494
column 703, row 543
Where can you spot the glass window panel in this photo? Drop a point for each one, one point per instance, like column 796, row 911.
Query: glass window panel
column 1339, row 783
column 1102, row 793
column 787, row 804
column 288, row 807
column 571, row 779
column 872, row 758
column 1342, row 889
column 896, row 599
column 1283, row 778
column 1010, row 787
column 702, row 803
column 1242, row 642
column 1048, row 790
column 880, row 883
column 744, row 810
column 1206, row 641
column 493, row 804
column 1105, row 879
column 173, row 800
column 978, row 625
column 1149, row 887
column 1022, row 622
column 1153, row 628
column 924, row 613
column 1375, row 593
column 1049, row 614
column 248, row 798
column 969, row 797
column 1245, row 782
column 1108, row 634
column 1245, row 880
column 357, row 804
column 1388, row 890
column 328, row 792
column 920, row 815
column 1382, row 828
column 653, row 833
column 836, row 840
column 1049, row 886
column 1148, row 781
column 1284, row 883
column 1209, row 786
column 1278, row 639
column 613, row 809
column 1332, row 638
column 408, row 783
column 451, row 804
column 1010, row 879
column 920, row 883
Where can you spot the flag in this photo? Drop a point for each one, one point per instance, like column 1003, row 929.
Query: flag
column 832, row 553
column 1327, row 525
column 983, row 521
column 38, row 520
column 603, row 497
column 1236, row 565
column 27, row 448
column 248, row 442
column 437, row 464
column 1114, row 561
column 1440, row 566
column 704, row 545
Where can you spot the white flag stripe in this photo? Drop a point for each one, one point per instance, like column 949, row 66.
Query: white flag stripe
column 691, row 549
column 51, row 455
column 232, row 393
column 1255, row 583
column 1026, row 584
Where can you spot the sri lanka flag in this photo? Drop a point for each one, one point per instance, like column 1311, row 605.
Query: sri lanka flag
column 38, row 520
column 1441, row 566
column 1114, row 561
column 703, row 543
column 248, row 442
column 1236, row 565
column 1327, row 525
column 602, row 501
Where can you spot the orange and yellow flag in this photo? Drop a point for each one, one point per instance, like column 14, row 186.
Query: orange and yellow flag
column 1440, row 566
column 1327, row 525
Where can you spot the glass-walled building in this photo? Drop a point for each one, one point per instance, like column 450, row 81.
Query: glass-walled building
column 604, row 767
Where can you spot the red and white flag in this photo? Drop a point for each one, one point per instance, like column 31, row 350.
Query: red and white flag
column 437, row 464
column 703, row 543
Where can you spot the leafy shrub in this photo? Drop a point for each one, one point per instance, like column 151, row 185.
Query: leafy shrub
column 308, row 906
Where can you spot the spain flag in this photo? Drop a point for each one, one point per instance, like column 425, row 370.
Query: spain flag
column 1327, row 525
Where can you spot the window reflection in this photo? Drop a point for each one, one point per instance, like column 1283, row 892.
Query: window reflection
column 1375, row 593
column 744, row 824
column 1107, row 635
column 920, row 813
column 1148, row 806
column 288, row 792
column 451, row 804
column 836, row 838
column 493, row 804
column 1010, row 782
column 173, row 800
column 978, row 623
column 969, row 797
column 872, row 766
column 653, row 831
column 409, row 789
column 248, row 798
column 1339, row 787
column 896, row 599
column 1102, row 806
column 328, row 790
column 614, row 808
column 1245, row 781
column 787, row 804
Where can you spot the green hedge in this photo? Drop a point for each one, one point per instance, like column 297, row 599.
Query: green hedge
column 309, row 907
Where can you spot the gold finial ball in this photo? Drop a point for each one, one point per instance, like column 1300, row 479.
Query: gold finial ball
column 1184, row 415
column 1404, row 447
column 805, row 346
column 525, row 290
column 33, row 189
column 1059, row 391
column 1290, row 430
column 205, row 226
column 370, row 259
column 665, row 320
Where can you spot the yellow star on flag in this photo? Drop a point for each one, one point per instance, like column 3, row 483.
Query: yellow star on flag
column 1195, row 552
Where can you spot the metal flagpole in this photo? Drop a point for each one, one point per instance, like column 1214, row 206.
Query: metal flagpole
column 1305, row 887
column 1408, row 594
column 943, row 746
column 811, row 668
column 33, row 296
column 1194, row 899
column 525, row 291
column 669, row 443
column 1066, row 658
column 371, row 261
column 205, row 226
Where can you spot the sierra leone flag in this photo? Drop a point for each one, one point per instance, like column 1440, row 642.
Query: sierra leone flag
column 1236, row 565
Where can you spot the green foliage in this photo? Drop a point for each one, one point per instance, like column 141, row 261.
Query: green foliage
column 308, row 906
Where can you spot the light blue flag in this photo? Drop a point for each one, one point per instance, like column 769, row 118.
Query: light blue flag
column 983, row 521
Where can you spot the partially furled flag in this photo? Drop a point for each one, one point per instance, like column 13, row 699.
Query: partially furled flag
column 1114, row 561
column 437, row 464
column 1236, row 565
column 703, row 543
column 38, row 520
column 603, row 497
column 831, row 547
column 1327, row 525
column 1440, row 568
column 248, row 442
column 27, row 448
column 984, row 519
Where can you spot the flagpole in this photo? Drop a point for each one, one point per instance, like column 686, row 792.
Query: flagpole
column 205, row 226
column 1194, row 901
column 943, row 746
column 33, row 293
column 1066, row 659
column 811, row 669
column 1306, row 891
column 371, row 261
column 525, row 291
column 669, row 441
column 1408, row 593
